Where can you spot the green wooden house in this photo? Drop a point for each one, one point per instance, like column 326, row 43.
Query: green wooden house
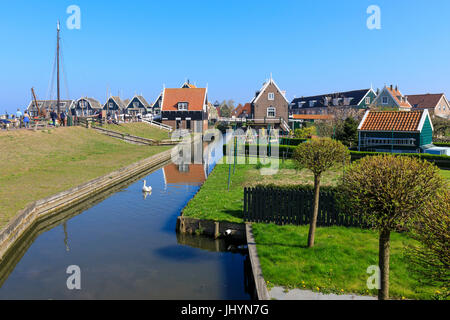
column 395, row 131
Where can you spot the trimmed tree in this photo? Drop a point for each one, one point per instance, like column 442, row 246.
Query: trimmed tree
column 430, row 261
column 388, row 192
column 319, row 155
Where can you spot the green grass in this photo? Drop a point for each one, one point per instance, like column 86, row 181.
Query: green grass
column 139, row 129
column 446, row 174
column 337, row 263
column 38, row 164
column 215, row 202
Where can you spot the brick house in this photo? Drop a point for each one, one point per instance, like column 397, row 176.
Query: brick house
column 270, row 107
column 321, row 104
column 437, row 104
column 185, row 108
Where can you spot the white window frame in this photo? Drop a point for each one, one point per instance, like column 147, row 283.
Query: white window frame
column 382, row 100
column 136, row 104
column 270, row 110
column 367, row 100
column 271, row 96
column 183, row 106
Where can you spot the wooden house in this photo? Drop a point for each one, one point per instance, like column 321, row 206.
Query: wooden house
column 87, row 107
column 185, row 108
column 49, row 105
column 114, row 104
column 137, row 105
column 392, row 98
column 395, row 131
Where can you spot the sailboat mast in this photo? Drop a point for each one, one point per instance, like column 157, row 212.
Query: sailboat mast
column 57, row 72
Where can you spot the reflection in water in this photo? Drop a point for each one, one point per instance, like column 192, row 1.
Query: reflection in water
column 126, row 247
column 66, row 237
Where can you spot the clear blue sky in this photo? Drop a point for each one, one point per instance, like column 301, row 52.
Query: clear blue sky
column 311, row 47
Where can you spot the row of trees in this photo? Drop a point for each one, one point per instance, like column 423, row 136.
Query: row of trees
column 390, row 193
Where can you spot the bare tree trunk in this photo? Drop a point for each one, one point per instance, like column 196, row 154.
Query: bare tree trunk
column 312, row 225
column 384, row 248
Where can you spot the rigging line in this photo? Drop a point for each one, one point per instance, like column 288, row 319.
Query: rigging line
column 52, row 80
column 64, row 72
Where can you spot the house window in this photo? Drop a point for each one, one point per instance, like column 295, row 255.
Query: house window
column 182, row 106
column 271, row 96
column 136, row 104
column 443, row 108
column 367, row 100
column 111, row 105
column 385, row 100
column 271, row 112
column 312, row 103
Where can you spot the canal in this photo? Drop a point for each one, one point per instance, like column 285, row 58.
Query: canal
column 126, row 247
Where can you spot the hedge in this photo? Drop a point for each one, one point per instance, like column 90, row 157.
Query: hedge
column 442, row 144
column 441, row 161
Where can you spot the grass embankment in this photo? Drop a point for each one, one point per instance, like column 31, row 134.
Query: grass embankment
column 37, row 164
column 337, row 263
column 139, row 129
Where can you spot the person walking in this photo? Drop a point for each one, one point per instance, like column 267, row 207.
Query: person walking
column 19, row 117
column 26, row 119
column 62, row 116
column 53, row 116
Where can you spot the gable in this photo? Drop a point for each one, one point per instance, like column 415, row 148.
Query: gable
column 270, row 86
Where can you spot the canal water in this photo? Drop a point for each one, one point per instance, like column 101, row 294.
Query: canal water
column 126, row 247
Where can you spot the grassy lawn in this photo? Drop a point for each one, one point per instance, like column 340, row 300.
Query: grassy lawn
column 34, row 165
column 337, row 263
column 139, row 129
column 446, row 174
column 215, row 202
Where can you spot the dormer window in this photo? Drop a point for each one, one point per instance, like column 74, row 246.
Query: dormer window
column 271, row 96
column 182, row 106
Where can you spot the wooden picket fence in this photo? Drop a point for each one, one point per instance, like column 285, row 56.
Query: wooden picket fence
column 294, row 206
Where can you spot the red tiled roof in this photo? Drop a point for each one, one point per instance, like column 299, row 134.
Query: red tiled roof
column 396, row 94
column 312, row 117
column 424, row 100
column 392, row 121
column 195, row 97
column 195, row 175
column 241, row 108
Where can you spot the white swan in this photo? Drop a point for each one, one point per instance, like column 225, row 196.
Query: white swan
column 145, row 188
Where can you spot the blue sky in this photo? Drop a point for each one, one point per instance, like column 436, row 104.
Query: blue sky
column 311, row 47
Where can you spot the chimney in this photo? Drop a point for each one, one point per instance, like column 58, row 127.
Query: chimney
column 396, row 88
column 392, row 87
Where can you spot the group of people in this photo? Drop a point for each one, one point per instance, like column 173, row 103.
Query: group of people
column 18, row 120
column 62, row 118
